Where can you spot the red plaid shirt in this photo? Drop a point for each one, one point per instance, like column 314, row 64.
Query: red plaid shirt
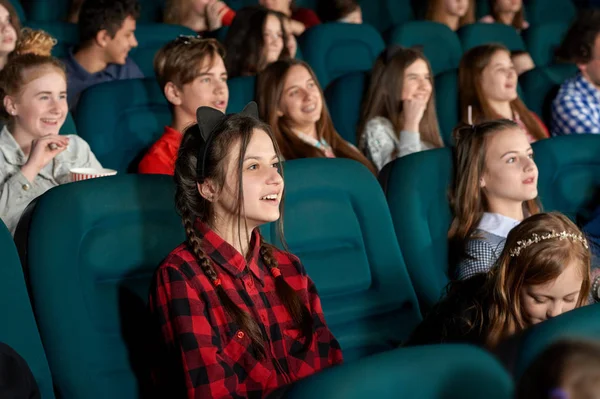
column 213, row 352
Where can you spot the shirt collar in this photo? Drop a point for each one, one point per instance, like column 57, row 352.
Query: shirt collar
column 497, row 224
column 172, row 137
column 10, row 148
column 110, row 70
column 587, row 86
column 227, row 257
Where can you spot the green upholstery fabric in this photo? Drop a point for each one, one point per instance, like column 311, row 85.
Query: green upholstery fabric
column 427, row 372
column 479, row 33
column 569, row 174
column 540, row 86
column 335, row 49
column 385, row 14
column 19, row 9
column 312, row 4
column 151, row 37
column 482, row 8
column 47, row 11
column 446, row 103
column 65, row 33
column 547, row 11
column 579, row 323
column 69, row 126
column 344, row 99
column 58, row 10
column 241, row 92
column 542, row 41
column 121, row 119
column 19, row 329
column 440, row 44
column 151, row 11
column 416, row 189
column 337, row 222
column 90, row 287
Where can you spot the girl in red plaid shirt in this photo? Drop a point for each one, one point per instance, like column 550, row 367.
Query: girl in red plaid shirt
column 238, row 317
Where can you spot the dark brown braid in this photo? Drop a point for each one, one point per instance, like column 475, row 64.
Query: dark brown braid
column 191, row 206
column 290, row 298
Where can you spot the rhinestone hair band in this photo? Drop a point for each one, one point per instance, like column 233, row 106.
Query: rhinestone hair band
column 535, row 238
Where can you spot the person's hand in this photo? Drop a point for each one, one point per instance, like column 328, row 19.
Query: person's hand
column 215, row 13
column 413, row 110
column 43, row 150
column 297, row 27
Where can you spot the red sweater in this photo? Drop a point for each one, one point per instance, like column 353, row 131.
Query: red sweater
column 160, row 158
column 306, row 16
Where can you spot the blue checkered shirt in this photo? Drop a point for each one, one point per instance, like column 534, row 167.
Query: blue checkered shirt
column 576, row 108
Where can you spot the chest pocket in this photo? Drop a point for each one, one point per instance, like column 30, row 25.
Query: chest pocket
column 243, row 362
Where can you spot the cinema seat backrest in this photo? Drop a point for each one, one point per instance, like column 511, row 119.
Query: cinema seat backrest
column 337, row 222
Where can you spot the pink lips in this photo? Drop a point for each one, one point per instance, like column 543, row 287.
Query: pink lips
column 529, row 181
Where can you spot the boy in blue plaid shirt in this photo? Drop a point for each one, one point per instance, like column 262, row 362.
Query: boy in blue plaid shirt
column 576, row 108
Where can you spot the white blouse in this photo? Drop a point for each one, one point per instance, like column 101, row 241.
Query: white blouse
column 381, row 145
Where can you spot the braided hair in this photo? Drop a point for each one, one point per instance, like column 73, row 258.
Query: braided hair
column 192, row 206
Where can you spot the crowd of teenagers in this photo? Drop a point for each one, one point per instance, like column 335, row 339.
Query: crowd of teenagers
column 238, row 317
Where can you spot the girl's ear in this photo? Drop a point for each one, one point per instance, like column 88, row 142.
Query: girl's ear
column 482, row 182
column 9, row 105
column 208, row 190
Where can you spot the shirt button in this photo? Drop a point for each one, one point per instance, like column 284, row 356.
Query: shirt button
column 240, row 334
column 26, row 186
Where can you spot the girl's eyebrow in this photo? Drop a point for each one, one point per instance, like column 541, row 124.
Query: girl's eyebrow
column 258, row 158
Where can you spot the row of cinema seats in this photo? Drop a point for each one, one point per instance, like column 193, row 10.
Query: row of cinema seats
column 382, row 14
column 377, row 256
column 334, row 49
column 135, row 111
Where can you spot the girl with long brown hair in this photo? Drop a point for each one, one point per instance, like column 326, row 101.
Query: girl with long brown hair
column 33, row 156
column 544, row 271
column 453, row 13
column 508, row 12
column 9, row 30
column 257, row 37
column 494, row 188
column 237, row 316
column 398, row 116
column 487, row 84
column 291, row 101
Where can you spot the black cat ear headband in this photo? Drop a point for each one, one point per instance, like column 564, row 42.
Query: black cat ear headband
column 209, row 119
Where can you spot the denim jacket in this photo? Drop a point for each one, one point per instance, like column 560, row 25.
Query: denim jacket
column 16, row 192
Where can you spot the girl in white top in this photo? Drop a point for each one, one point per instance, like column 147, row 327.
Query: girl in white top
column 398, row 116
column 33, row 157
column 508, row 12
column 453, row 13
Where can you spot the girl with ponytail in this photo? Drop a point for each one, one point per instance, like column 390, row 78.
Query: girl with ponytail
column 33, row 156
column 238, row 317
